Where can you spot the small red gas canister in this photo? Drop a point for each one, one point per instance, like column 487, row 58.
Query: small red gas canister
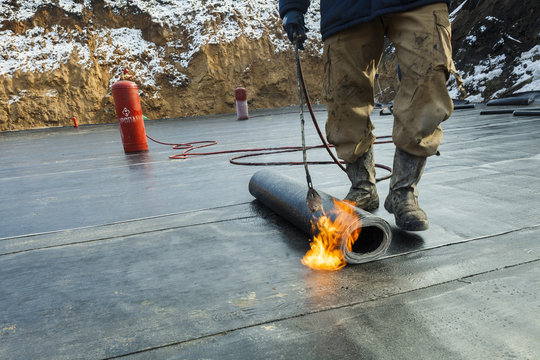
column 130, row 117
column 241, row 103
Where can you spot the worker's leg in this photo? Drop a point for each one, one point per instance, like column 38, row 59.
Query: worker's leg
column 351, row 59
column 423, row 50
column 422, row 41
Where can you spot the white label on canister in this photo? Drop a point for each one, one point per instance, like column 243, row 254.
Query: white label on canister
column 127, row 118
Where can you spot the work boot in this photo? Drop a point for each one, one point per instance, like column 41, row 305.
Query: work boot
column 402, row 201
column 362, row 175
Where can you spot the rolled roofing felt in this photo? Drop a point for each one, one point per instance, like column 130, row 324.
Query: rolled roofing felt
column 516, row 112
column 287, row 197
column 525, row 99
column 498, row 111
column 527, row 112
column 464, row 106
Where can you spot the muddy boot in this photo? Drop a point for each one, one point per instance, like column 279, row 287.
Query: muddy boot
column 362, row 175
column 402, row 201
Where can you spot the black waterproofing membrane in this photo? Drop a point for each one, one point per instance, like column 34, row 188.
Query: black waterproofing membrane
column 107, row 255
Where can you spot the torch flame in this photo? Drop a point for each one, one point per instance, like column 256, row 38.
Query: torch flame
column 330, row 229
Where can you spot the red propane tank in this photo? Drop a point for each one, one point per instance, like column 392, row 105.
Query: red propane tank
column 241, row 103
column 130, row 117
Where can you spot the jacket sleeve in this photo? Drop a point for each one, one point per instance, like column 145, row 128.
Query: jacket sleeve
column 286, row 5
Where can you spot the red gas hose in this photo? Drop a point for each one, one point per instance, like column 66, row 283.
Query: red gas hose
column 190, row 146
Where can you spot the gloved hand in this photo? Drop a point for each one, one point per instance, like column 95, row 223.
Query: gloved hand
column 293, row 22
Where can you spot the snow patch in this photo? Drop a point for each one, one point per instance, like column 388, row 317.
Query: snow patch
column 51, row 93
column 491, row 18
column 126, row 49
column 39, row 50
column 483, row 72
column 202, row 22
column 18, row 97
column 513, row 39
column 72, row 7
column 528, row 70
column 28, row 8
column 470, row 39
column 454, row 13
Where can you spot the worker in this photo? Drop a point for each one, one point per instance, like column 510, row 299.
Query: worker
column 353, row 34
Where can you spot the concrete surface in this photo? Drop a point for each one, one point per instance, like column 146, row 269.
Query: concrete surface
column 108, row 255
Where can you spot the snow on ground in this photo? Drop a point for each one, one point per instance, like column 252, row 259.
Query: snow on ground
column 204, row 22
column 526, row 66
column 38, row 50
column 529, row 69
column 127, row 48
column 526, row 69
column 484, row 71
column 454, row 13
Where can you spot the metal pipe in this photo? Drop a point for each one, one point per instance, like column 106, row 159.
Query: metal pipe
column 287, row 197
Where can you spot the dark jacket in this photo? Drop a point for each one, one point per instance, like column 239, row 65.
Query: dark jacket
column 338, row 15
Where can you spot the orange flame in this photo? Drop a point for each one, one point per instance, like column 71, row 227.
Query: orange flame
column 330, row 229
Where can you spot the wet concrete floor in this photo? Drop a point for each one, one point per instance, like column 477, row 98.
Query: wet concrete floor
column 108, row 255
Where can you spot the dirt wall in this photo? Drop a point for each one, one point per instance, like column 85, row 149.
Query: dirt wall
column 33, row 99
column 489, row 39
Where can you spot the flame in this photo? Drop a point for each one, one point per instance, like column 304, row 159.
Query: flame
column 325, row 252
